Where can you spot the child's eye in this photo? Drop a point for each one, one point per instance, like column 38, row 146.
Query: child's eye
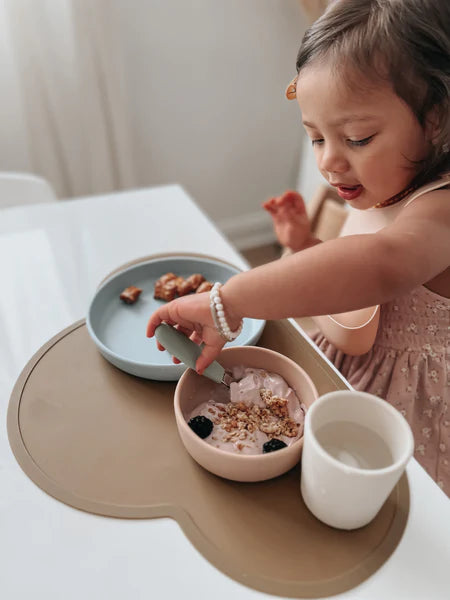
column 317, row 141
column 362, row 142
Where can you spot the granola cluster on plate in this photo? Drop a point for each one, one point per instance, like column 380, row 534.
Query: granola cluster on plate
column 170, row 285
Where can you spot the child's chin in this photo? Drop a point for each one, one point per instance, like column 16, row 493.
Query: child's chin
column 362, row 202
column 357, row 204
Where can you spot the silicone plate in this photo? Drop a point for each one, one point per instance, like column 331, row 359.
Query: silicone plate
column 118, row 329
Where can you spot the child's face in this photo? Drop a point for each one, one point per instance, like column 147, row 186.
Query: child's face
column 364, row 139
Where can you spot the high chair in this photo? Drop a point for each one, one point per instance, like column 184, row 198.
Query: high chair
column 327, row 213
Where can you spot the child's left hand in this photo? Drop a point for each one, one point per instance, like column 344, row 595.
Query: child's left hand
column 290, row 220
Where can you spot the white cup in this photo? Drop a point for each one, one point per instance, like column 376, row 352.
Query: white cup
column 355, row 449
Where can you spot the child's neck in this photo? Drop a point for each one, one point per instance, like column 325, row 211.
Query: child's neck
column 397, row 197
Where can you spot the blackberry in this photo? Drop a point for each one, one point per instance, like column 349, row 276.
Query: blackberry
column 202, row 426
column 273, row 445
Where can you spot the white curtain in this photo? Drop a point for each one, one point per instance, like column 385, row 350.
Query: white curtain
column 64, row 113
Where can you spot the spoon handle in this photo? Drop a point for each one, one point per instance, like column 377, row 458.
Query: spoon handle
column 180, row 346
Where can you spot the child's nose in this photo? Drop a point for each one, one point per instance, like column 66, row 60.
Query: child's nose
column 333, row 160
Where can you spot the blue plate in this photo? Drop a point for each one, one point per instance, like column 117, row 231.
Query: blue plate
column 118, row 329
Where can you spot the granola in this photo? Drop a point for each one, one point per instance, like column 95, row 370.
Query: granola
column 240, row 421
column 169, row 285
column 262, row 408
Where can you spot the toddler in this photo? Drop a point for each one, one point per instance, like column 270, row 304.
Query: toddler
column 373, row 89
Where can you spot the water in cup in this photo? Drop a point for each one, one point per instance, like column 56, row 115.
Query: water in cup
column 354, row 445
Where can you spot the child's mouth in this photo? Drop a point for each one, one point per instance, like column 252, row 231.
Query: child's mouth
column 349, row 192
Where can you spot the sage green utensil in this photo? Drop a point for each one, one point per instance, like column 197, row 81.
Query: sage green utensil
column 187, row 351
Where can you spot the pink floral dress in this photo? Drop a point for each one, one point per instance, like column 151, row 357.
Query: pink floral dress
column 409, row 364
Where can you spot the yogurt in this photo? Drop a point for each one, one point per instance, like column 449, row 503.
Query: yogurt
column 259, row 407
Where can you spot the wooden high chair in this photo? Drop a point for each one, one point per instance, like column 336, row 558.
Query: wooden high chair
column 327, row 213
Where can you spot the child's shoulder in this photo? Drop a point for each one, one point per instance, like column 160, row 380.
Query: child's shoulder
column 431, row 204
column 438, row 189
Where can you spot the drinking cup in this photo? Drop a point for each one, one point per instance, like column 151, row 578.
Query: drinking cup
column 356, row 447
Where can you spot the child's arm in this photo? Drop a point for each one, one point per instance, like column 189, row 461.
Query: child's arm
column 352, row 272
column 353, row 332
column 333, row 277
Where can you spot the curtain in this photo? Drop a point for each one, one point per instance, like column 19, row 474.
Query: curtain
column 63, row 64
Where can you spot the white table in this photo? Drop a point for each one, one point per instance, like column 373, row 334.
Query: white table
column 52, row 257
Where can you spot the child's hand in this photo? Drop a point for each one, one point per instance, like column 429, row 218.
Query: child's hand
column 290, row 220
column 193, row 317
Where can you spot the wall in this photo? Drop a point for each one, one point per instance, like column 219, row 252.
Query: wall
column 205, row 83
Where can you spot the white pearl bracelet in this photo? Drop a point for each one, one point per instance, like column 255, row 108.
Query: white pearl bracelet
column 218, row 315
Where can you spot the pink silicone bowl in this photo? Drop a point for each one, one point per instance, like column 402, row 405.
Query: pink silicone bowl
column 192, row 388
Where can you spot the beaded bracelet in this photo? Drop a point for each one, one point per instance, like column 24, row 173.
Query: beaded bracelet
column 218, row 315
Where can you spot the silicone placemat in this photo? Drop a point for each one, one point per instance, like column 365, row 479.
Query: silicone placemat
column 106, row 442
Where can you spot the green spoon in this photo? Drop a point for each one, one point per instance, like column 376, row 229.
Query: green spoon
column 187, row 351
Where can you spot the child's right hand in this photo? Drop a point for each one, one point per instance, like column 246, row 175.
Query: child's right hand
column 192, row 315
column 290, row 220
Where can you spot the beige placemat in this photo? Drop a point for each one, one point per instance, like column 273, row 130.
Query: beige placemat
column 106, row 442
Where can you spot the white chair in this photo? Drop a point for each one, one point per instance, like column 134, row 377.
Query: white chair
column 24, row 188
